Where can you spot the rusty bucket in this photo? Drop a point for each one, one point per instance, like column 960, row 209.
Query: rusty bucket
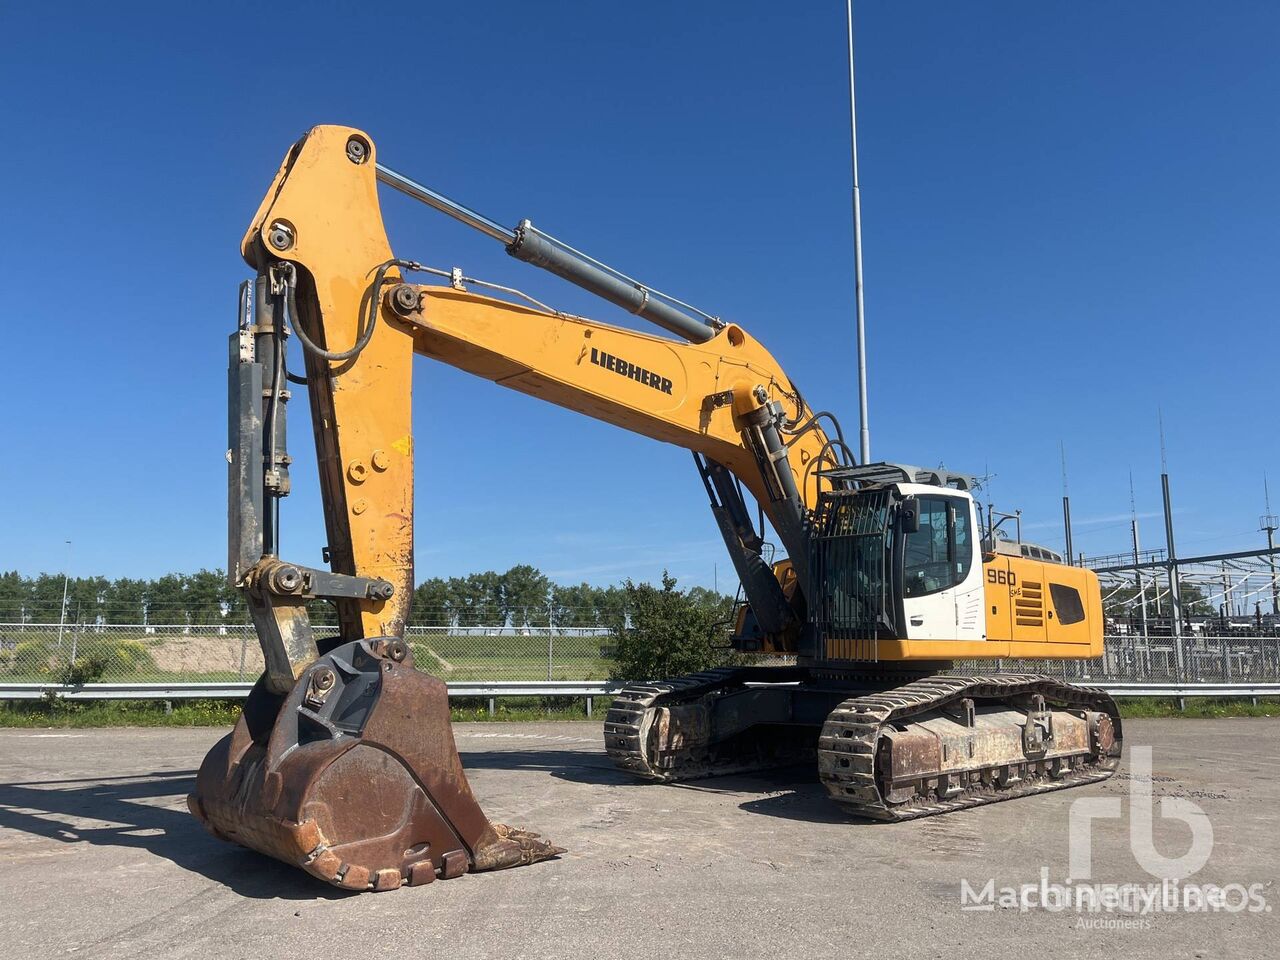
column 354, row 777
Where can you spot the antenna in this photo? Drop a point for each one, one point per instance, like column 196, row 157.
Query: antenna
column 1164, row 462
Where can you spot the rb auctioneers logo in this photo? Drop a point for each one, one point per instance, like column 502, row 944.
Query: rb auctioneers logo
column 1129, row 905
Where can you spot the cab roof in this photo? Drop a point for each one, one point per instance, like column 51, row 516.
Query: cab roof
column 886, row 473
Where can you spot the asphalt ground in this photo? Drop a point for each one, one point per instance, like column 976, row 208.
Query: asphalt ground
column 99, row 858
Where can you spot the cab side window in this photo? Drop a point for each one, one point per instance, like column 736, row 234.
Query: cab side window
column 940, row 554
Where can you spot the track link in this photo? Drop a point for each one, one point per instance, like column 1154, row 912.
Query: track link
column 626, row 726
column 849, row 748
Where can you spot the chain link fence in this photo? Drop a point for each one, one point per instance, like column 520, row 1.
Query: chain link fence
column 157, row 653
column 1191, row 658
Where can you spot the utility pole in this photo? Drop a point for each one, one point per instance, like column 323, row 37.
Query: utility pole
column 66, row 576
column 1175, row 591
column 1269, row 524
column 1226, row 597
column 864, row 433
column 1137, row 549
column 1066, row 503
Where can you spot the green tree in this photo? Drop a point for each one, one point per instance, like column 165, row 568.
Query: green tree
column 125, row 601
column 525, row 594
column 166, row 599
column 475, row 599
column 670, row 633
column 15, row 597
column 430, row 607
column 46, row 598
column 233, row 602
column 703, row 596
column 85, row 598
column 202, row 596
column 611, row 605
column 573, row 606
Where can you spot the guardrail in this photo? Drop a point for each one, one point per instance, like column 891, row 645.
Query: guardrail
column 1182, row 690
column 492, row 689
column 230, row 691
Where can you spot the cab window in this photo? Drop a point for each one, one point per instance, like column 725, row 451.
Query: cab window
column 939, row 555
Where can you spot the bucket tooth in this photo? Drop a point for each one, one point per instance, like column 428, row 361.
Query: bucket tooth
column 354, row 777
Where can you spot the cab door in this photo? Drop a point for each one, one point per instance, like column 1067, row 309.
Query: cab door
column 942, row 590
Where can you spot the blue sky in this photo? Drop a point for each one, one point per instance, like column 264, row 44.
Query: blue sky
column 1070, row 216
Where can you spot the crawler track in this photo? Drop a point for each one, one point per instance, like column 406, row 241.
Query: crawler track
column 636, row 746
column 849, row 749
column 849, row 755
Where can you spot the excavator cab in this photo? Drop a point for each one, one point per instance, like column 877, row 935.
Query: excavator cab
column 897, row 560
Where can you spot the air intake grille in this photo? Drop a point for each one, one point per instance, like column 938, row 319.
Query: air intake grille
column 1028, row 605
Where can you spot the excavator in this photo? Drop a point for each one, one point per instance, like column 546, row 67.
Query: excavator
column 343, row 762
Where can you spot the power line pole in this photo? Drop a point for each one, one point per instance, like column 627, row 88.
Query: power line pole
column 1137, row 549
column 864, row 433
column 1066, row 503
column 66, row 576
column 1269, row 524
column 1175, row 589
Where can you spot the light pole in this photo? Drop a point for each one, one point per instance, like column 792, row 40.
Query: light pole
column 66, row 576
column 864, row 433
column 1269, row 524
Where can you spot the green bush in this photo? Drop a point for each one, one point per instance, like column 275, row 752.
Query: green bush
column 671, row 632
column 95, row 659
column 125, row 657
column 84, row 669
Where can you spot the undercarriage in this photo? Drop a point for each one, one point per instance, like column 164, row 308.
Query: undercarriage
column 888, row 745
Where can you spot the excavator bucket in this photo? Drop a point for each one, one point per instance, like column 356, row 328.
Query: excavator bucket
column 354, row 777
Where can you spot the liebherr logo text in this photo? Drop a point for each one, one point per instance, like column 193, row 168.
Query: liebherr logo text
column 630, row 370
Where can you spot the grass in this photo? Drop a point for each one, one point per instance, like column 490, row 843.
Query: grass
column 119, row 713
column 452, row 658
column 1199, row 707
column 224, row 713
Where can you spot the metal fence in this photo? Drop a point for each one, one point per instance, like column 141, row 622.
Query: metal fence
column 152, row 653
column 463, row 656
column 1188, row 659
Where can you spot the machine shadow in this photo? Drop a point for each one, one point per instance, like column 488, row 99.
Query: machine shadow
column 789, row 793
column 577, row 765
column 50, row 809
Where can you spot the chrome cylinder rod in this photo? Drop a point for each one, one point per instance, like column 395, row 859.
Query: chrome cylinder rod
column 531, row 245
column 442, row 203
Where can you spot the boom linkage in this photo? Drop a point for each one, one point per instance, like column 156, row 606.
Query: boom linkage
column 327, row 274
